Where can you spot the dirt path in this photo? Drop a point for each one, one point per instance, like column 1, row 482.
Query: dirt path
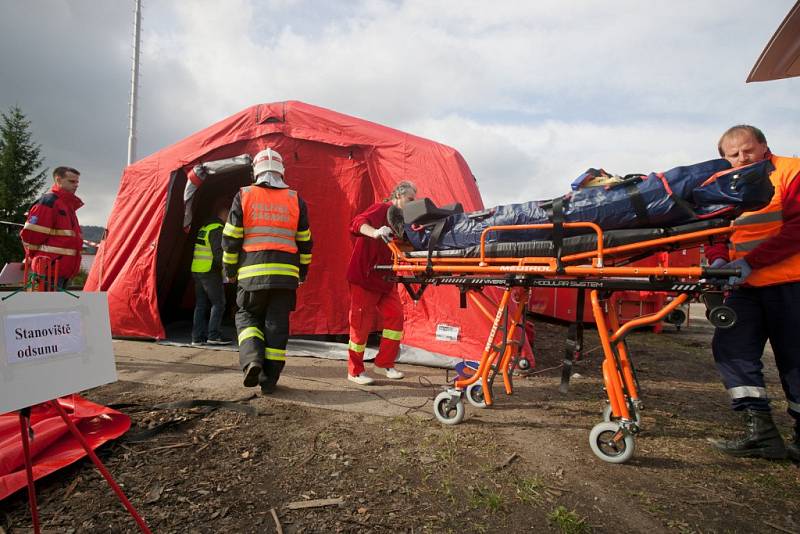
column 522, row 466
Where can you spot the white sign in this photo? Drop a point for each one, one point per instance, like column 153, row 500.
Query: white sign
column 54, row 344
column 445, row 332
column 43, row 335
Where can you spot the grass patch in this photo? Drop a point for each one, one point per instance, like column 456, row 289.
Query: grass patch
column 568, row 522
column 487, row 498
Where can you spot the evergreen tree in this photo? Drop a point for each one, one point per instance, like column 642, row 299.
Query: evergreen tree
column 21, row 179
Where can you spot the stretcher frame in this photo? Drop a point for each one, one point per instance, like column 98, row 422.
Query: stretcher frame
column 601, row 271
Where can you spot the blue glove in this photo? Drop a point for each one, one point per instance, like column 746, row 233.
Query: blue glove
column 745, row 268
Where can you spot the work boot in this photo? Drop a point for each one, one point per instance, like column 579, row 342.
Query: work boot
column 251, row 372
column 793, row 448
column 761, row 439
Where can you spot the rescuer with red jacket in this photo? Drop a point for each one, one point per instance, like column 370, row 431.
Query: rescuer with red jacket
column 370, row 292
column 765, row 246
column 266, row 244
column 52, row 228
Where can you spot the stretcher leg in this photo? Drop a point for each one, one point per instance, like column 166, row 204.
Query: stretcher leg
column 626, row 365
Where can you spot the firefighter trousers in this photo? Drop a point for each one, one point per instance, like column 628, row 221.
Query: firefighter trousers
column 363, row 305
column 262, row 324
column 763, row 313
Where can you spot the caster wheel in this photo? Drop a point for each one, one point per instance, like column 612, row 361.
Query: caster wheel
column 610, row 444
column 523, row 364
column 474, row 394
column 637, row 415
column 722, row 317
column 448, row 409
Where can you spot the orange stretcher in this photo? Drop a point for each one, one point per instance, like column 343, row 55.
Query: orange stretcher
column 598, row 262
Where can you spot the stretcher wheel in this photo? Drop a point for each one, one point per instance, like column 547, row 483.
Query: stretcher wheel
column 474, row 394
column 448, row 408
column 523, row 364
column 721, row 316
column 611, row 444
column 637, row 415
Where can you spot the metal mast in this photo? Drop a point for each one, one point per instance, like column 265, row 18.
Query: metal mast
column 137, row 25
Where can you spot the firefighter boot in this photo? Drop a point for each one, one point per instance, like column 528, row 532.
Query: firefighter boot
column 761, row 439
column 793, row 449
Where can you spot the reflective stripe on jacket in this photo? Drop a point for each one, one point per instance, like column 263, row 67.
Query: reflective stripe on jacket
column 203, row 257
column 270, row 219
column 755, row 227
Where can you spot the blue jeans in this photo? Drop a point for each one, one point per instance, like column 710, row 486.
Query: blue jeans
column 209, row 292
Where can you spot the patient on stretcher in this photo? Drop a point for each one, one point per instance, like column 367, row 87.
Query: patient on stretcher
column 706, row 194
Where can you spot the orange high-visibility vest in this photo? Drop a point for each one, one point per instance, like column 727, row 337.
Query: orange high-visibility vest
column 270, row 219
column 754, row 227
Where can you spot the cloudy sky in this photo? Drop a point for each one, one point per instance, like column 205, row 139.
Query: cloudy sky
column 531, row 93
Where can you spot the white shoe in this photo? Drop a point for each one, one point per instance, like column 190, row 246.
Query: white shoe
column 394, row 374
column 362, row 380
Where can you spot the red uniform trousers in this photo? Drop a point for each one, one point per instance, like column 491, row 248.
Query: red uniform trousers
column 363, row 304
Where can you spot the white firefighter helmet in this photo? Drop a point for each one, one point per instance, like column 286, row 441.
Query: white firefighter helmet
column 268, row 169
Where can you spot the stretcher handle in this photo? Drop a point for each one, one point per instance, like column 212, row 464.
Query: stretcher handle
column 518, row 227
column 719, row 272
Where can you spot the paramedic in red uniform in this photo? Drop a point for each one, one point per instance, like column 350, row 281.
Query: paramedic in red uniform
column 266, row 245
column 370, row 293
column 52, row 228
column 766, row 298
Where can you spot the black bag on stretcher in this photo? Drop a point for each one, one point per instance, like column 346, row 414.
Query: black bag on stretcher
column 711, row 189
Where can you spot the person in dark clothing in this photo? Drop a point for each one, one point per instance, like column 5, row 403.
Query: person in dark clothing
column 765, row 246
column 208, row 283
column 267, row 247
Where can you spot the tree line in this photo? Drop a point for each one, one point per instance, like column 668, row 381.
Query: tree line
column 21, row 180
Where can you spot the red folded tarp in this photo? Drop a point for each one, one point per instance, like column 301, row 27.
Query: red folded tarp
column 53, row 447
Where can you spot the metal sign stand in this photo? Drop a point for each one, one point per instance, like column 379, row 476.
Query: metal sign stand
column 44, row 278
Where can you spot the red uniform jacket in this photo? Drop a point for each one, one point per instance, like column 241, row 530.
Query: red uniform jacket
column 369, row 252
column 52, row 230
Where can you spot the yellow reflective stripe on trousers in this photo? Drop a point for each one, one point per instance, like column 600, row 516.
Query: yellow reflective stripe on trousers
column 250, row 331
column 392, row 334
column 275, row 354
column 233, row 231
column 267, row 269
column 305, row 259
column 305, row 235
column 230, row 257
column 355, row 347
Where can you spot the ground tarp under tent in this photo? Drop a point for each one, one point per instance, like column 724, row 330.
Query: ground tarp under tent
column 339, row 164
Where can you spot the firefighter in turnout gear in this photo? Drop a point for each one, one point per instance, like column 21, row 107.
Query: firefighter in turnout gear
column 266, row 245
column 765, row 246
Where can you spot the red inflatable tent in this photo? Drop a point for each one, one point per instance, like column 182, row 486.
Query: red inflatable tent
column 339, row 165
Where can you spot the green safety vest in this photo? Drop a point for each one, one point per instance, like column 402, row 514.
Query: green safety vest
column 202, row 257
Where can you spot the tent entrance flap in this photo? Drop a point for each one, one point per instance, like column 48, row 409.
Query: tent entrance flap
column 175, row 244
